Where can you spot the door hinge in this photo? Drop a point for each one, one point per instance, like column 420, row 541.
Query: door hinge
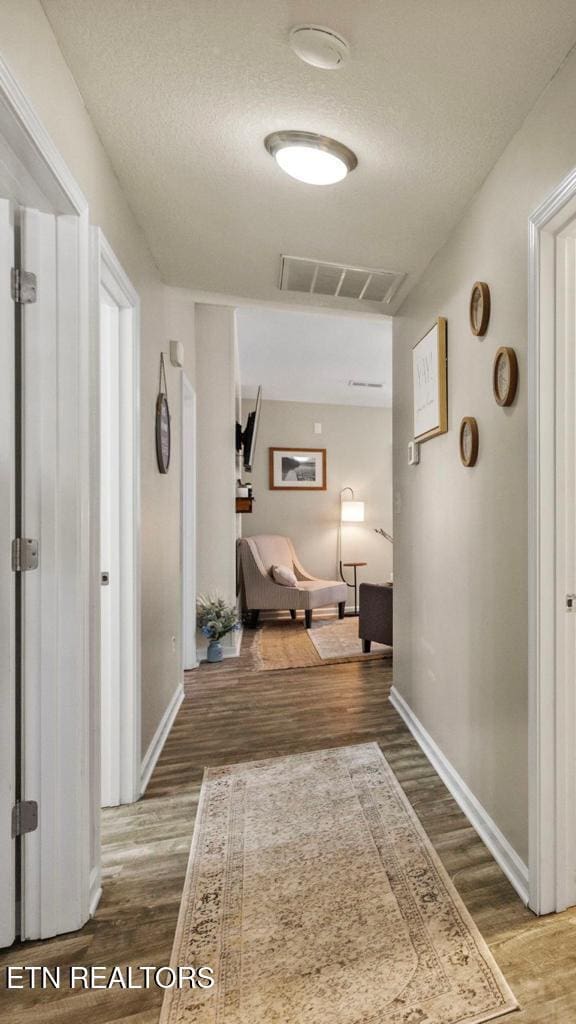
column 571, row 602
column 24, row 554
column 24, row 818
column 23, row 286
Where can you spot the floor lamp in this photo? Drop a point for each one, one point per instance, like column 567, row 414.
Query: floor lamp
column 351, row 511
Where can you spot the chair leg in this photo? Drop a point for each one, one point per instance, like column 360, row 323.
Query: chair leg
column 341, row 609
column 292, row 613
column 254, row 616
column 308, row 618
column 366, row 645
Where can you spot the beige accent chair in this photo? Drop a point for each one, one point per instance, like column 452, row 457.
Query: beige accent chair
column 261, row 592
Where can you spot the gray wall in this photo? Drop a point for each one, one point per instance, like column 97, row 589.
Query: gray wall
column 460, row 634
column 359, row 455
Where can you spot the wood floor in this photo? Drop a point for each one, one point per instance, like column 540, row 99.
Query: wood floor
column 233, row 713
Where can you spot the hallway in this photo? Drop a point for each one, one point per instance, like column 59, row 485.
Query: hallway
column 233, row 713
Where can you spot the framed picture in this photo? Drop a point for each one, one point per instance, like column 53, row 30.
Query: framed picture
column 297, row 469
column 429, row 367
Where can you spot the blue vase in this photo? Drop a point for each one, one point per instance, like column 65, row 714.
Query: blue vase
column 214, row 651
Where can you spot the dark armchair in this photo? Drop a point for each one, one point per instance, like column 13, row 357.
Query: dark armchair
column 375, row 622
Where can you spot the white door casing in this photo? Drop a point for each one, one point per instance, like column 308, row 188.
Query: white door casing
column 7, row 605
column 115, row 299
column 57, row 765
column 189, row 463
column 552, row 566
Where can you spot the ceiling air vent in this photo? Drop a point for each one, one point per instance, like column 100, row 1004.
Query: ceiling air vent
column 337, row 280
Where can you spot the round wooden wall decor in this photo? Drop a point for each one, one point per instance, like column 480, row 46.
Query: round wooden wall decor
column 479, row 308
column 505, row 376
column 469, row 441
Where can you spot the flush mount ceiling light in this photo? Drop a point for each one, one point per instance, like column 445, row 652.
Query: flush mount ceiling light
column 319, row 46
column 314, row 159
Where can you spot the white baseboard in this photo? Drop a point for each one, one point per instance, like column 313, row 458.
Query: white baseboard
column 230, row 645
column 159, row 738
column 504, row 854
column 95, row 890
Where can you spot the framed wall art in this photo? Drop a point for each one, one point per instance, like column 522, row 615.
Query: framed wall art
column 429, row 368
column 297, row 469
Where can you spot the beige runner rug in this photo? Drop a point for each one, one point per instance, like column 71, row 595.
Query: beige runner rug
column 316, row 896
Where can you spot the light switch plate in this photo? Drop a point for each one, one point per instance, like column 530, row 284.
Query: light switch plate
column 317, row 428
column 413, row 453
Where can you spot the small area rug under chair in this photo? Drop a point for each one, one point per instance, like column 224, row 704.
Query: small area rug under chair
column 284, row 644
column 317, row 898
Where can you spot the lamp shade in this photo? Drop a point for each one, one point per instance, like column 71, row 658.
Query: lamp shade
column 352, row 512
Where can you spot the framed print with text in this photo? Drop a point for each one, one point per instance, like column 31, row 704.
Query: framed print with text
column 430, row 380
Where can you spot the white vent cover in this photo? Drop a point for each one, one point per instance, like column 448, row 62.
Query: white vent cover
column 298, row 274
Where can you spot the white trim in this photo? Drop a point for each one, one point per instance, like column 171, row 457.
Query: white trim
column 95, row 889
column 7, row 595
column 21, row 127
column 107, row 272
column 188, row 526
column 57, row 899
column 159, row 738
column 552, row 730
column 504, row 854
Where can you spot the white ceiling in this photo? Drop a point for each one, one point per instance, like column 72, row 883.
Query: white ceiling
column 183, row 93
column 310, row 357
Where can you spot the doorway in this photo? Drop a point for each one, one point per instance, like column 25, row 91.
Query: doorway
column 117, row 318
column 189, row 653
column 552, row 550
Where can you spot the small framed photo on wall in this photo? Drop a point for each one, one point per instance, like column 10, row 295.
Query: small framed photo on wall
column 430, row 376
column 297, row 469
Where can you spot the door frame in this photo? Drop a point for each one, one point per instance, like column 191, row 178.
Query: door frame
column 7, row 588
column 108, row 273
column 33, row 174
column 552, row 717
column 188, row 530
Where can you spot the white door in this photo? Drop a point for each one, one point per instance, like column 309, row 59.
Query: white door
column 188, row 525
column 110, row 650
column 54, row 725
column 7, row 584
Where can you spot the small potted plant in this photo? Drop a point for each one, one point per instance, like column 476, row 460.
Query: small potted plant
column 215, row 619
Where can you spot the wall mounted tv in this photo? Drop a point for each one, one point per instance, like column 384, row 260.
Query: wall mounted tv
column 246, row 439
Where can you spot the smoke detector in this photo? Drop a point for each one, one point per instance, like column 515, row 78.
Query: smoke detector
column 320, row 47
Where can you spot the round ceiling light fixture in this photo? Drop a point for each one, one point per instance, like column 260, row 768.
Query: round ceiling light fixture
column 314, row 159
column 319, row 46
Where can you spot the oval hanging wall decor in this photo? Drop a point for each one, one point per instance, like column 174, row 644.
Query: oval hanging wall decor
column 479, row 309
column 469, row 441
column 505, row 376
column 163, row 437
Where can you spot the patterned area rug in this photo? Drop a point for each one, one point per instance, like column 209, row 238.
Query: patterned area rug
column 284, row 644
column 340, row 640
column 316, row 896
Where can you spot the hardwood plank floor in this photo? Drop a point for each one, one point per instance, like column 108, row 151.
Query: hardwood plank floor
column 232, row 713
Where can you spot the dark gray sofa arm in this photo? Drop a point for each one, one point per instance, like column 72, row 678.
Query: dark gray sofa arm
column 375, row 624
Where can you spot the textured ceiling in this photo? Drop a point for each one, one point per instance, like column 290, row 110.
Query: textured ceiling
column 310, row 357
column 183, row 92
